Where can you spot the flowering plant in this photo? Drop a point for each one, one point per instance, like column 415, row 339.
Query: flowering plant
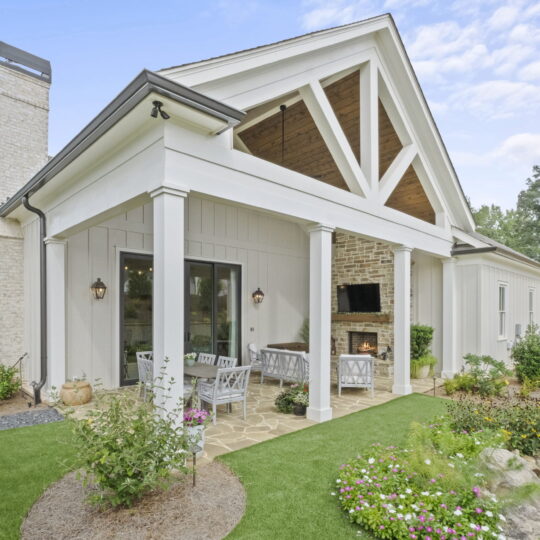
column 190, row 356
column 285, row 400
column 196, row 417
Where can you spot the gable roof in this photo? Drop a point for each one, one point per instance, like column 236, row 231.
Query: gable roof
column 215, row 75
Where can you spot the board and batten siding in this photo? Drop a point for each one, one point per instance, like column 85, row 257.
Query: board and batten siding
column 273, row 254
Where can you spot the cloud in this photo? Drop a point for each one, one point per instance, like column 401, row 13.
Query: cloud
column 324, row 13
column 503, row 17
column 530, row 72
column 520, row 148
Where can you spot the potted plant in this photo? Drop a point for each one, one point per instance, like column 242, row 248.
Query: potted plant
column 301, row 401
column 189, row 358
column 76, row 391
column 422, row 361
column 195, row 420
column 285, row 400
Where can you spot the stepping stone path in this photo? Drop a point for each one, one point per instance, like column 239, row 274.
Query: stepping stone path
column 29, row 418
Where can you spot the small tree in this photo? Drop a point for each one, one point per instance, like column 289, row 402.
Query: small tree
column 526, row 355
column 421, row 338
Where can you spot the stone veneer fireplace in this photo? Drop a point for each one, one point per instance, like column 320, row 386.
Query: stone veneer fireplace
column 363, row 343
column 357, row 260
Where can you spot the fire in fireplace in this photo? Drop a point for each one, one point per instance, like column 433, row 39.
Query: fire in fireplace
column 363, row 343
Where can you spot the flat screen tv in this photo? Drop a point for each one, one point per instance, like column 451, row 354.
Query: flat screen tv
column 362, row 298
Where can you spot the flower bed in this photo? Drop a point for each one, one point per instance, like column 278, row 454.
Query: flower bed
column 428, row 490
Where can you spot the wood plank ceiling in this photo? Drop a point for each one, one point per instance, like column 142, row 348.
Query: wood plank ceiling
column 305, row 151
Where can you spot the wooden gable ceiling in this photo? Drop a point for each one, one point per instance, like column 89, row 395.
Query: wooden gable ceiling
column 409, row 197
column 389, row 143
column 304, row 149
column 344, row 96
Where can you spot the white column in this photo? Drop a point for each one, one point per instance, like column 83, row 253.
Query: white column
column 56, row 312
column 449, row 367
column 168, row 301
column 402, row 320
column 320, row 283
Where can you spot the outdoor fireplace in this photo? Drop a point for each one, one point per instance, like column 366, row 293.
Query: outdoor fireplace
column 363, row 343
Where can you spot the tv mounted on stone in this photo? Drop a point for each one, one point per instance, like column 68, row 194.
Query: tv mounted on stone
column 360, row 298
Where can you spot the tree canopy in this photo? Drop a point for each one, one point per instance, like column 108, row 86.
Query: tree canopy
column 517, row 228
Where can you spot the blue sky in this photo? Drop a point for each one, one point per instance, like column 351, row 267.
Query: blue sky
column 478, row 62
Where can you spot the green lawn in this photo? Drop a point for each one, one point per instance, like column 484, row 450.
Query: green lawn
column 30, row 459
column 288, row 480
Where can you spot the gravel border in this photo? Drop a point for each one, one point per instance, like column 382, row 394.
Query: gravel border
column 207, row 512
column 29, row 418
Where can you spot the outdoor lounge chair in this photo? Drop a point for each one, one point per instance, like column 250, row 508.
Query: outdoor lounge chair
column 206, row 358
column 229, row 386
column 254, row 358
column 291, row 366
column 226, row 361
column 355, row 371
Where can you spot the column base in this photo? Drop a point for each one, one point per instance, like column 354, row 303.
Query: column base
column 402, row 389
column 447, row 374
column 319, row 415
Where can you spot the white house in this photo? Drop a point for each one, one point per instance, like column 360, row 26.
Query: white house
column 302, row 168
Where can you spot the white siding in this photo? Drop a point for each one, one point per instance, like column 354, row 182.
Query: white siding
column 427, row 298
column 273, row 253
column 469, row 328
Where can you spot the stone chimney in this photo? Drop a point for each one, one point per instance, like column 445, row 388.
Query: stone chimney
column 25, row 80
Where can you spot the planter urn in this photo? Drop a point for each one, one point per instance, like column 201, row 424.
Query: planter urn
column 421, row 372
column 76, row 393
column 299, row 409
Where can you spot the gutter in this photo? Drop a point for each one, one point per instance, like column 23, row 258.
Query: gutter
column 145, row 83
column 37, row 386
column 472, row 251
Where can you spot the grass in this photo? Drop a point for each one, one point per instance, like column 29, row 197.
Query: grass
column 31, row 458
column 288, row 480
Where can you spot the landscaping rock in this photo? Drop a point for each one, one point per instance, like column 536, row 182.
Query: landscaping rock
column 30, row 418
column 510, row 470
column 523, row 521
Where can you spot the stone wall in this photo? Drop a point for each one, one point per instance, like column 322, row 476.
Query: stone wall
column 357, row 260
column 24, row 110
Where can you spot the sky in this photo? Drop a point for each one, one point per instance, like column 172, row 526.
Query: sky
column 478, row 62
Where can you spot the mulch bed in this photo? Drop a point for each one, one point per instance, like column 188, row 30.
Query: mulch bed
column 18, row 403
column 208, row 511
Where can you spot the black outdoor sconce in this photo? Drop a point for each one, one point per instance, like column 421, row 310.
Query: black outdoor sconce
column 98, row 289
column 258, row 296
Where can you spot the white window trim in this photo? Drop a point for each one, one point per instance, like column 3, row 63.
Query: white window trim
column 530, row 301
column 504, row 312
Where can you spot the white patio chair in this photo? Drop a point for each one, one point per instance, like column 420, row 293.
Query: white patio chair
column 206, row 358
column 146, row 373
column 226, row 361
column 229, row 386
column 356, row 371
column 147, row 355
column 254, row 357
column 291, row 366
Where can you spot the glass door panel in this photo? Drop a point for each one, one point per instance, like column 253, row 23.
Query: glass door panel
column 227, row 309
column 199, row 334
column 135, row 312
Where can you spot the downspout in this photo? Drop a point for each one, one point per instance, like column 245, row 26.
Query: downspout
column 42, row 298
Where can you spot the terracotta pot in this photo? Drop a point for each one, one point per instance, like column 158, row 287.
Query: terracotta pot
column 76, row 393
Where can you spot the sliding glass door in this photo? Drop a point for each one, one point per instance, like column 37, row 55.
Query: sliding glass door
column 135, row 312
column 212, row 324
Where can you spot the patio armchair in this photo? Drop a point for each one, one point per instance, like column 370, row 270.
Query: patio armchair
column 206, row 358
column 355, row 371
column 291, row 366
column 254, row 357
column 226, row 361
column 229, row 386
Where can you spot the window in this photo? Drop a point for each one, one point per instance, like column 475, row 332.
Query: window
column 531, row 306
column 503, row 290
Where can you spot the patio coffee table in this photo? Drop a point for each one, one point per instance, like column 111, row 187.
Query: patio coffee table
column 201, row 371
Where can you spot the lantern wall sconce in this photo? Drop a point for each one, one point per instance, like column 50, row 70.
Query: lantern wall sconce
column 258, row 296
column 98, row 289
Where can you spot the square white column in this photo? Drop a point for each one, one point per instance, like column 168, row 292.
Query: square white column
column 56, row 312
column 402, row 321
column 168, row 300
column 320, row 298
column 449, row 360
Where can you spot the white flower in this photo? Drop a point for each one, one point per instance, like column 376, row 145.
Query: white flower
column 472, row 525
column 502, row 518
column 478, row 475
column 408, row 517
column 427, row 461
column 351, row 511
column 391, row 510
column 439, row 493
column 485, row 528
column 363, row 470
column 402, row 496
column 371, row 460
column 408, row 490
column 338, row 481
column 425, row 493
column 489, row 513
column 383, row 496
column 400, row 507
column 451, row 465
column 457, row 512
column 333, row 494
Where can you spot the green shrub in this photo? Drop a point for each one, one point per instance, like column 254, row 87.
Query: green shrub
column 127, row 447
column 421, row 338
column 430, row 489
column 418, row 363
column 517, row 419
column 526, row 355
column 286, row 400
column 483, row 375
column 10, row 383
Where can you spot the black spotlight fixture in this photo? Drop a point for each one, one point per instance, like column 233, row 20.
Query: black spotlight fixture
column 157, row 109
